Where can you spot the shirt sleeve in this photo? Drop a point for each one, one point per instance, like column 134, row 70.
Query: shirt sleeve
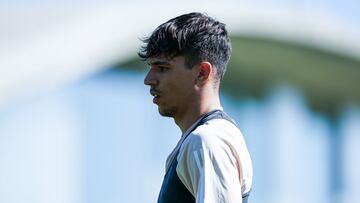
column 207, row 168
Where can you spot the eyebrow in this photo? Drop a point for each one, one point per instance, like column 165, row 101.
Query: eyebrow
column 156, row 63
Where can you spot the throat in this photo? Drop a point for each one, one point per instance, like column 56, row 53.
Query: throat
column 187, row 121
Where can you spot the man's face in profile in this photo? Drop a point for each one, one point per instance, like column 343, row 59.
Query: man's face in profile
column 172, row 84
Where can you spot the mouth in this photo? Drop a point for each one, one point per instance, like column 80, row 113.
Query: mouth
column 156, row 100
column 156, row 96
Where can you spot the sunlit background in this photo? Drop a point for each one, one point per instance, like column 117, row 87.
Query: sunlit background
column 77, row 125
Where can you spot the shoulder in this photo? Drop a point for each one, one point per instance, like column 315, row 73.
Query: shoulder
column 213, row 132
column 214, row 136
column 217, row 147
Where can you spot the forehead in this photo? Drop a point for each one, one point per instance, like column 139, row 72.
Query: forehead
column 163, row 60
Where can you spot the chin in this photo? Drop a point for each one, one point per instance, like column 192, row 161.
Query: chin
column 166, row 112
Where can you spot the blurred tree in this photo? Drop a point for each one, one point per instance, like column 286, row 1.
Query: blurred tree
column 327, row 79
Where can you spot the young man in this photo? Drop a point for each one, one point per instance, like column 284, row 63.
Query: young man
column 188, row 56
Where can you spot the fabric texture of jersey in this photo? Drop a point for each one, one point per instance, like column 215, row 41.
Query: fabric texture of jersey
column 211, row 163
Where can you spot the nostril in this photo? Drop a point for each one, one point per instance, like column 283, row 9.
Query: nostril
column 147, row 80
column 150, row 79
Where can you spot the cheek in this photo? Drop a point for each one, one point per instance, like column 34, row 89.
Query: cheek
column 178, row 92
column 185, row 91
column 180, row 86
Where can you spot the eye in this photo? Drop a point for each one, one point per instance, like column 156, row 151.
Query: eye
column 162, row 69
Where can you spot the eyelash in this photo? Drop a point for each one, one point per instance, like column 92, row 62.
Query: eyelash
column 162, row 69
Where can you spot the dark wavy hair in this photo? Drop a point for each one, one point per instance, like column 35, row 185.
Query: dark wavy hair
column 196, row 36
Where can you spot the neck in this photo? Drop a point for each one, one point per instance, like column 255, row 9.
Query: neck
column 194, row 112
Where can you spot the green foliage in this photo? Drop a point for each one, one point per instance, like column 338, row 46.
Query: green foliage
column 327, row 79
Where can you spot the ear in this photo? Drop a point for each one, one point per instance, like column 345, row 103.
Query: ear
column 205, row 70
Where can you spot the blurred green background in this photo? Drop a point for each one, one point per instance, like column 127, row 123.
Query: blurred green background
column 77, row 124
column 328, row 79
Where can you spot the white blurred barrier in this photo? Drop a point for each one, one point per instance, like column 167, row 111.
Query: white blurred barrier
column 46, row 47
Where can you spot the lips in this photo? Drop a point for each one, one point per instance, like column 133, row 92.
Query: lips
column 155, row 94
column 156, row 100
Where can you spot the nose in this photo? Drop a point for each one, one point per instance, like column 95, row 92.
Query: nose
column 150, row 78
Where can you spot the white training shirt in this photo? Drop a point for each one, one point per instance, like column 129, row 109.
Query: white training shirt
column 210, row 161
